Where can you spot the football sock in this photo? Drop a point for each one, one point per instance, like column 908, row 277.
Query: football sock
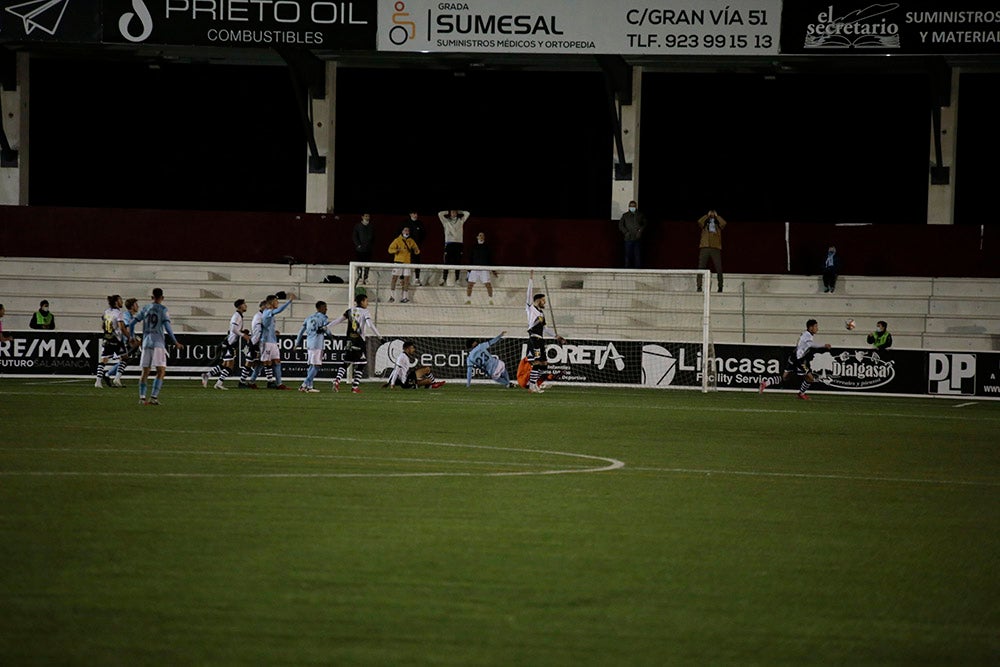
column 340, row 373
column 142, row 389
column 245, row 374
column 533, row 377
column 311, row 375
column 157, row 384
column 269, row 373
column 804, row 387
column 277, row 372
column 215, row 371
column 224, row 373
column 101, row 370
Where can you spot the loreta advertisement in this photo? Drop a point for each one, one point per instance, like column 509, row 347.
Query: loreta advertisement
column 691, row 27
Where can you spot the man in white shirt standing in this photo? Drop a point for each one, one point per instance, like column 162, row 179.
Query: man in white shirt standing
column 453, row 221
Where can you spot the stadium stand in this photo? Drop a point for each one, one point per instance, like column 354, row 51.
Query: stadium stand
column 924, row 313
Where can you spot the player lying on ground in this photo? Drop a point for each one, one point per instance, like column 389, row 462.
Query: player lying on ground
column 488, row 364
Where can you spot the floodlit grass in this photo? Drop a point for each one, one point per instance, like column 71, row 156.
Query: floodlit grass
column 484, row 526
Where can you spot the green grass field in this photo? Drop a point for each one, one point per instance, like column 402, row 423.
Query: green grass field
column 489, row 526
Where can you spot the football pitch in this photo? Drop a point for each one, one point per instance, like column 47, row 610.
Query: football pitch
column 486, row 526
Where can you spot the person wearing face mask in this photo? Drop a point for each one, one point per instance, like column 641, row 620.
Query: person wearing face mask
column 417, row 233
column 831, row 269
column 364, row 239
column 42, row 318
column 880, row 339
column 631, row 225
column 482, row 257
column 710, row 246
column 402, row 249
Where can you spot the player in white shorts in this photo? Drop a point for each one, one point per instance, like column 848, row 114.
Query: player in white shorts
column 155, row 327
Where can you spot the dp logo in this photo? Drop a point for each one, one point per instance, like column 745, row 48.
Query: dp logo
column 951, row 374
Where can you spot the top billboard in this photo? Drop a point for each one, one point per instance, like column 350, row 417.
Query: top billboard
column 672, row 27
column 326, row 24
column 914, row 27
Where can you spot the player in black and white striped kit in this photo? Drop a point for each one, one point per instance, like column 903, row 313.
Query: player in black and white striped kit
column 534, row 306
column 230, row 347
column 799, row 361
column 251, row 352
column 359, row 321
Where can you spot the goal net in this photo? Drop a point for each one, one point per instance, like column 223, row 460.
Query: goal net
column 622, row 327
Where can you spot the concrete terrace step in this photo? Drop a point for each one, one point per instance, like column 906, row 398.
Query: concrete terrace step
column 954, row 313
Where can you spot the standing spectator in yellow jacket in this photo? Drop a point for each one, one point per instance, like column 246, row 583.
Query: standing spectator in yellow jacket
column 402, row 250
column 710, row 246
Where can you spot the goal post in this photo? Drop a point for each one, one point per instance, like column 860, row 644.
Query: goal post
column 622, row 327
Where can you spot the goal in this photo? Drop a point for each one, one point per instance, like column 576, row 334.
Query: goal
column 622, row 327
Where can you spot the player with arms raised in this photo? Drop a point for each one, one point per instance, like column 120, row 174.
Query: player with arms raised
column 534, row 306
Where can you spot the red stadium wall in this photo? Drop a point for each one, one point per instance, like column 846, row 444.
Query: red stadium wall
column 149, row 235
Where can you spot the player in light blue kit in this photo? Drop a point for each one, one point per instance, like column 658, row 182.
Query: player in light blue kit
column 490, row 365
column 314, row 331
column 155, row 327
column 270, row 353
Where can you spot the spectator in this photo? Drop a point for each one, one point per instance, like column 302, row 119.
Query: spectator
column 363, row 238
column 481, row 257
column 42, row 319
column 631, row 225
column 710, row 245
column 880, row 339
column 402, row 250
column 417, row 233
column 452, row 221
column 831, row 269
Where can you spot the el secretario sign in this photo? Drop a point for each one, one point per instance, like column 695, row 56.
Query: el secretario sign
column 684, row 27
column 903, row 27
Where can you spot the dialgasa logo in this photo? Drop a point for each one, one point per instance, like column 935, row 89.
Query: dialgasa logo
column 44, row 15
column 867, row 28
column 858, row 370
column 126, row 20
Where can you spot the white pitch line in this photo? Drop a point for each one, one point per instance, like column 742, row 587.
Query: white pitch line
column 804, row 475
column 612, row 464
column 964, row 405
column 276, row 455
